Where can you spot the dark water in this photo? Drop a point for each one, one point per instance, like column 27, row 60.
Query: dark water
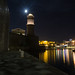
column 62, row 59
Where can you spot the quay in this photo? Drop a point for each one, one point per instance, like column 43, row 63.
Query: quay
column 14, row 63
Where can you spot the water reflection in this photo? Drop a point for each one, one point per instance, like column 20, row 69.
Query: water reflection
column 67, row 56
column 74, row 58
column 64, row 57
column 46, row 55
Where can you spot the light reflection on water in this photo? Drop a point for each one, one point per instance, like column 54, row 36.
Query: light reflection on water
column 58, row 57
column 74, row 58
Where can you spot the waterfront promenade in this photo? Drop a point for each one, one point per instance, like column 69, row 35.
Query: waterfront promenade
column 14, row 63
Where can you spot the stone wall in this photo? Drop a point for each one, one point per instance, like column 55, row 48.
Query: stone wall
column 17, row 42
column 4, row 25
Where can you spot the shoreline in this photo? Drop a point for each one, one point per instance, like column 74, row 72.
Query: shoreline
column 11, row 62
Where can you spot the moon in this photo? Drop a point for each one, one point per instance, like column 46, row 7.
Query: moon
column 26, row 11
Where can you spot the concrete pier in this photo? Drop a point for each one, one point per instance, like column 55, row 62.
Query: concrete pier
column 4, row 25
column 11, row 63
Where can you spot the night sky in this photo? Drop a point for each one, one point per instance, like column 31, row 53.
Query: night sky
column 54, row 19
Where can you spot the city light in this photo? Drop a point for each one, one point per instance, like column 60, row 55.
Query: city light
column 74, row 58
column 47, row 43
column 73, row 41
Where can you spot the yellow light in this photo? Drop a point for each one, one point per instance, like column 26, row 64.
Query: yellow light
column 74, row 58
column 62, row 43
column 73, row 41
column 46, row 56
column 46, row 45
column 67, row 56
column 63, row 56
column 54, row 55
column 51, row 44
column 39, row 41
column 44, row 42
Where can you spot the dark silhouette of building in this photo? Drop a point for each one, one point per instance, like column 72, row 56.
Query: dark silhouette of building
column 27, row 42
column 18, row 31
column 4, row 25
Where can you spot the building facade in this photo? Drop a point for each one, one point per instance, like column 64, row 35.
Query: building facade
column 18, row 31
column 4, row 25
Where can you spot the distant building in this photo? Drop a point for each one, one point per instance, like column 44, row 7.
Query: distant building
column 72, row 43
column 18, row 31
column 47, row 43
column 67, row 44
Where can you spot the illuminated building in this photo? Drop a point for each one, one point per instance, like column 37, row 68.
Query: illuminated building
column 73, row 42
column 47, row 43
column 18, row 31
column 70, row 42
column 30, row 25
column 67, row 44
column 4, row 25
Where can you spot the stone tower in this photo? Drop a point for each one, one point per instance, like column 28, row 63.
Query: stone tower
column 30, row 25
column 32, row 39
column 4, row 25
